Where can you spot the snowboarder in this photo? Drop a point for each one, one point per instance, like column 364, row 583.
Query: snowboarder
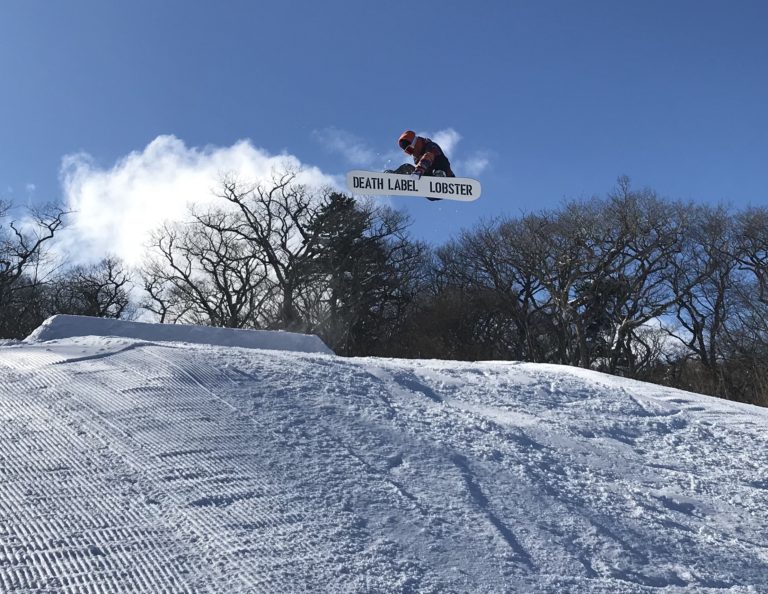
column 429, row 158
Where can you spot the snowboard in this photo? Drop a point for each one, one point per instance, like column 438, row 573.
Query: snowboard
column 373, row 183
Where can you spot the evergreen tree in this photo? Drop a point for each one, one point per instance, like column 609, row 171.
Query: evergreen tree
column 362, row 262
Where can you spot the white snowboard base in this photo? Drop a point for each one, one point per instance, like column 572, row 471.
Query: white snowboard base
column 373, row 183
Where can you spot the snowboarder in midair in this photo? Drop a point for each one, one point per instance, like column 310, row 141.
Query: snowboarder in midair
column 427, row 155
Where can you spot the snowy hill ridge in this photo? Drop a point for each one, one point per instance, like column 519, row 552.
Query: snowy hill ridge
column 65, row 326
column 129, row 464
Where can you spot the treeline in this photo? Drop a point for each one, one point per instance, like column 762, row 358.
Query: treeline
column 34, row 286
column 630, row 284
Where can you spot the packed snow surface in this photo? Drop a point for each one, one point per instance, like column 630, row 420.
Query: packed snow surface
column 62, row 326
column 139, row 465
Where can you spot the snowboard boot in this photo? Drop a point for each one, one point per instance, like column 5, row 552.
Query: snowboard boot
column 437, row 173
column 404, row 169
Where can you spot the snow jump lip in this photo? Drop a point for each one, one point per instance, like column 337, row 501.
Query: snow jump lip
column 373, row 183
column 67, row 326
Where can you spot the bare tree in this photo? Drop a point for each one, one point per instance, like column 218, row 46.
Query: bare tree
column 606, row 267
column 22, row 256
column 577, row 285
column 202, row 272
column 489, row 296
column 282, row 256
column 751, row 251
column 276, row 221
column 704, row 282
column 100, row 290
column 649, row 242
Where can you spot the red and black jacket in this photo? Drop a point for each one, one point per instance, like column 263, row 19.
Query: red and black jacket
column 431, row 157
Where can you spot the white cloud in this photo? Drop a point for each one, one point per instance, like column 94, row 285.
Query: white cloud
column 351, row 147
column 470, row 166
column 114, row 209
column 447, row 139
column 474, row 165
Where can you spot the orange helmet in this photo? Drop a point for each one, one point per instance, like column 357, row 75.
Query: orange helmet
column 407, row 140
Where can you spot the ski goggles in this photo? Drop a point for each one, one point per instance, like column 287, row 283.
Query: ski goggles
column 408, row 146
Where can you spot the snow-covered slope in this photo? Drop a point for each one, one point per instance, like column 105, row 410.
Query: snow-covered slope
column 148, row 466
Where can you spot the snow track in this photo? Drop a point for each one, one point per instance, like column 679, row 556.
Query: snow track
column 131, row 466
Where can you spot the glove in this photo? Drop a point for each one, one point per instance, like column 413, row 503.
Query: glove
column 418, row 172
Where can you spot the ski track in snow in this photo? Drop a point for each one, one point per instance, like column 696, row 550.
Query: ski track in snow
column 130, row 466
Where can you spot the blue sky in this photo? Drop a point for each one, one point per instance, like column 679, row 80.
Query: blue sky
column 540, row 100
